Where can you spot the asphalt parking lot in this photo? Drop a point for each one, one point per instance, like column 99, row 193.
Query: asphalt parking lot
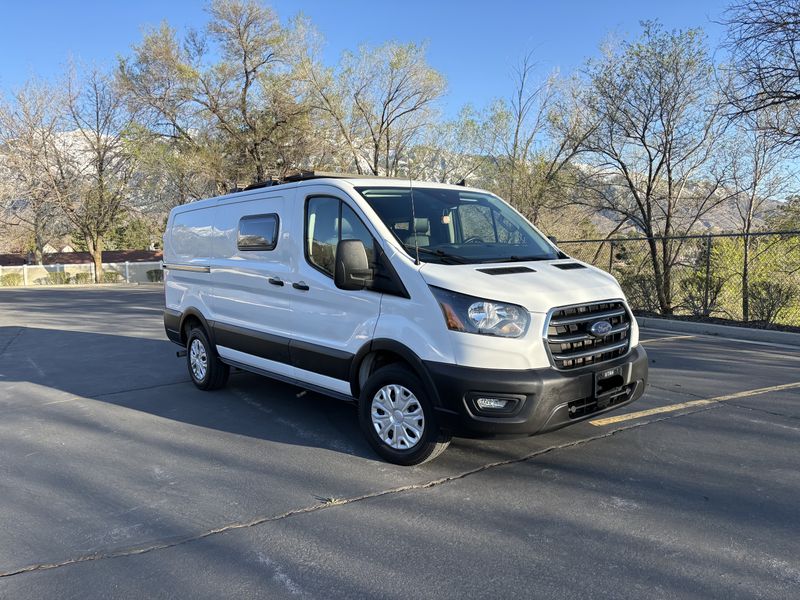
column 119, row 479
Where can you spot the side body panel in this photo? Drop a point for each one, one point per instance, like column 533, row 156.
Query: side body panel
column 188, row 242
column 252, row 301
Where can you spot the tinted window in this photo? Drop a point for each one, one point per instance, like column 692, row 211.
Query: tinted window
column 329, row 220
column 352, row 228
column 322, row 234
column 258, row 232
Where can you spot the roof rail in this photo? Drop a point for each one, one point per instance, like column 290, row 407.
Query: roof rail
column 261, row 184
column 301, row 176
column 305, row 175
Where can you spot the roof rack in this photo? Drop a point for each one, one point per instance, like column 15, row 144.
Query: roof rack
column 305, row 175
column 261, row 184
column 302, row 176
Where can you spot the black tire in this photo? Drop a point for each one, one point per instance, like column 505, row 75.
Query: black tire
column 427, row 446
column 216, row 372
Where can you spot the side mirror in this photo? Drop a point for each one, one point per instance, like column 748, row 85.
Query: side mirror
column 352, row 270
column 553, row 239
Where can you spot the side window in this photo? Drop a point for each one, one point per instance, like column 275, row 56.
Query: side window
column 322, row 235
column 353, row 228
column 257, row 232
column 329, row 220
column 477, row 223
column 508, row 232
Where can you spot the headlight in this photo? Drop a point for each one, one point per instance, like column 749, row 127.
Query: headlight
column 476, row 315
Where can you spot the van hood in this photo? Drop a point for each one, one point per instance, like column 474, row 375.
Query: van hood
column 536, row 285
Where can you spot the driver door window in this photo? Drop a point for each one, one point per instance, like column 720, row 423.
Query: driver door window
column 328, row 221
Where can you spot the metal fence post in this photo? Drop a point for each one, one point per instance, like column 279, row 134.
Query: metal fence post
column 24, row 274
column 127, row 272
column 707, row 286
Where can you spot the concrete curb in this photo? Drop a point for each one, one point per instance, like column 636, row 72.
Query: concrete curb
column 728, row 331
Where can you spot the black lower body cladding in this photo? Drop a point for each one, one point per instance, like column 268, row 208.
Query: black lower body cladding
column 538, row 400
column 172, row 325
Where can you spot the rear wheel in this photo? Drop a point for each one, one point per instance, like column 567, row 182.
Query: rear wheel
column 207, row 371
column 398, row 419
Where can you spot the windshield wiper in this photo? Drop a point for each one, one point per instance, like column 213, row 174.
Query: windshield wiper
column 459, row 260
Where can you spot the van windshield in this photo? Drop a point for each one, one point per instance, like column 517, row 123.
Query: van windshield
column 457, row 227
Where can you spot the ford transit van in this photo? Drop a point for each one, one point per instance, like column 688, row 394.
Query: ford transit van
column 439, row 309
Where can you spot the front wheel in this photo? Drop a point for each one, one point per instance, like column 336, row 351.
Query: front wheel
column 398, row 419
column 207, row 371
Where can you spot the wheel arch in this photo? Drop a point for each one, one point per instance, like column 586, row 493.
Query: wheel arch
column 380, row 352
column 192, row 315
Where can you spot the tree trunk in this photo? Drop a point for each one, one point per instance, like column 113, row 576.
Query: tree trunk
column 96, row 250
column 658, row 280
column 38, row 242
column 746, row 280
column 666, row 277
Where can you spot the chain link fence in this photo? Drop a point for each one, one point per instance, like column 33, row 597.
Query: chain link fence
column 749, row 278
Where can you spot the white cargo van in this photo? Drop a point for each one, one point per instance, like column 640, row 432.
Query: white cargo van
column 438, row 308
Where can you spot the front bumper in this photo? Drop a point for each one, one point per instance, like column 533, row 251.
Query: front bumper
column 542, row 399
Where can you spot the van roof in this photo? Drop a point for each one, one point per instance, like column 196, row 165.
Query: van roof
column 305, row 178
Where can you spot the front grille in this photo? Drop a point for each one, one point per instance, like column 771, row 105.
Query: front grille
column 572, row 345
column 587, row 406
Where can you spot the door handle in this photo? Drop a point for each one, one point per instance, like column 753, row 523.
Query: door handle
column 275, row 281
column 300, row 285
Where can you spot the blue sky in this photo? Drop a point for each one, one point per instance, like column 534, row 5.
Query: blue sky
column 474, row 44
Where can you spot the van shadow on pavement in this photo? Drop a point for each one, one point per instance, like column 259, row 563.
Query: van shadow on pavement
column 145, row 375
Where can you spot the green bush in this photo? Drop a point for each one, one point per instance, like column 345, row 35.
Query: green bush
column 112, row 276
column 82, row 278
column 155, row 275
column 692, row 293
column 11, row 279
column 769, row 298
column 640, row 289
column 57, row 278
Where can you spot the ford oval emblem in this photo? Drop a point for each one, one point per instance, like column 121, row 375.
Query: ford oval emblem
column 600, row 329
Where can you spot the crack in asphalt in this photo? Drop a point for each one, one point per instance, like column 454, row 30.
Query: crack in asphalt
column 11, row 341
column 333, row 502
column 676, row 391
column 763, row 410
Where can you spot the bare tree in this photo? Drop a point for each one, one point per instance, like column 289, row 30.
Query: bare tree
column 758, row 179
column 764, row 46
column 540, row 131
column 28, row 129
column 455, row 150
column 378, row 101
column 91, row 167
column 651, row 159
